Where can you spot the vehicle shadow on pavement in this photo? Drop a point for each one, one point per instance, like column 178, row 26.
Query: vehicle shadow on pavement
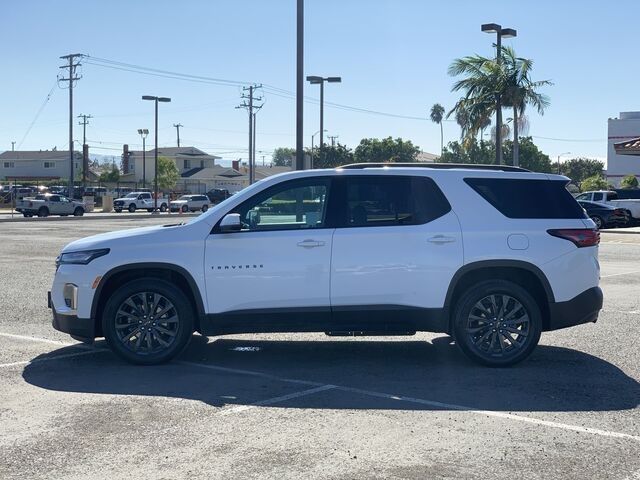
column 553, row 379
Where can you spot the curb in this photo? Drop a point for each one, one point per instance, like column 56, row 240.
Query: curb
column 623, row 231
column 106, row 216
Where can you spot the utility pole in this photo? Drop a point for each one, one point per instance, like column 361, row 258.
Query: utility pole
column 333, row 140
column 299, row 165
column 178, row 125
column 85, row 148
column 72, row 65
column 251, row 108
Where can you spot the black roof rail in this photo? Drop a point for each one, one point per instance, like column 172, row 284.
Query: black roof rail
column 438, row 166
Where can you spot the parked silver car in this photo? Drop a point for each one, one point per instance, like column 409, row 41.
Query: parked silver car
column 190, row 203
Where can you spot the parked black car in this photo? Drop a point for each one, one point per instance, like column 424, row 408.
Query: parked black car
column 217, row 195
column 605, row 216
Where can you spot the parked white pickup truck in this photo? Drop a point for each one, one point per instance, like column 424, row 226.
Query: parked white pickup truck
column 139, row 200
column 50, row 204
column 611, row 198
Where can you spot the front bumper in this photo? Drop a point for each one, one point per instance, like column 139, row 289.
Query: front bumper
column 81, row 329
column 583, row 308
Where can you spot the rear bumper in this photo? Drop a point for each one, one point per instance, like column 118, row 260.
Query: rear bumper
column 583, row 308
column 81, row 329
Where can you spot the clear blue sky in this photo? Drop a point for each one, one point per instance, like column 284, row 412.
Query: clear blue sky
column 392, row 56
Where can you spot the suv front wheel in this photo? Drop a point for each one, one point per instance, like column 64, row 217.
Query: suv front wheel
column 497, row 323
column 147, row 321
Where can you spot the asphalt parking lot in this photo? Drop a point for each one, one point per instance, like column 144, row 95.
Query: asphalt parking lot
column 311, row 406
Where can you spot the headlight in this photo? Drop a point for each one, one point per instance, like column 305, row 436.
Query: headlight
column 80, row 258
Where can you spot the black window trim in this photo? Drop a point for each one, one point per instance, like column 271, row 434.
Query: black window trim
column 268, row 192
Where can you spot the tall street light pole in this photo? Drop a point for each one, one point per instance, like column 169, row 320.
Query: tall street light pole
column 155, row 153
column 500, row 33
column 143, row 132
column 299, row 164
column 565, row 153
column 312, row 138
column 315, row 80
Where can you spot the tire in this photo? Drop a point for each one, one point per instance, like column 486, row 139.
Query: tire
column 27, row 215
column 205, row 208
column 123, row 332
column 117, row 210
column 163, row 207
column 483, row 341
column 185, row 209
column 598, row 221
column 132, row 207
column 78, row 212
column 150, row 210
column 43, row 212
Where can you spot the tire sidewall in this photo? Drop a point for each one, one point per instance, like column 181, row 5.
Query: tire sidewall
column 179, row 301
column 78, row 212
column 481, row 290
column 132, row 208
column 601, row 226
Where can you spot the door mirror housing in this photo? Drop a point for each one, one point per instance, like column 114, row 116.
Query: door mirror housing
column 231, row 223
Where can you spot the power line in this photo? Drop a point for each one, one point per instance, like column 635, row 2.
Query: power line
column 35, row 119
column 270, row 89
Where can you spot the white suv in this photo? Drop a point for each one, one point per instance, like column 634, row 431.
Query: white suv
column 492, row 256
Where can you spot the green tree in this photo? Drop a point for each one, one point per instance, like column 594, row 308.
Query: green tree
column 167, row 173
column 630, row 181
column 282, row 156
column 331, row 156
column 437, row 115
column 474, row 152
column 385, row 150
column 596, row 182
column 484, row 80
column 531, row 157
column 112, row 175
column 521, row 91
column 577, row 169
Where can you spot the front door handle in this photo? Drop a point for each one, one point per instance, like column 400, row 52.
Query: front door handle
column 311, row 243
column 441, row 239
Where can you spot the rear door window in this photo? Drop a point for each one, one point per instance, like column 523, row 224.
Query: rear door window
column 390, row 200
column 524, row 198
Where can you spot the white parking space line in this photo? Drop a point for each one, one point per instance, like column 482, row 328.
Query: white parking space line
column 56, row 357
column 274, row 400
column 250, row 372
column 319, row 387
column 618, row 274
column 41, row 340
column 491, row 413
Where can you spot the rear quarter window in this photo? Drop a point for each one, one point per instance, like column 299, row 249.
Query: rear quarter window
column 524, row 198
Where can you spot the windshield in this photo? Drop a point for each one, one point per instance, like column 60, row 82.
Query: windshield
column 131, row 195
column 184, row 197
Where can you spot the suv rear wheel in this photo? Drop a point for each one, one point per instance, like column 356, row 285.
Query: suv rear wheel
column 497, row 323
column 147, row 321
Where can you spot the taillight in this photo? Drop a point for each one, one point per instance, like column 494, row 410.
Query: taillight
column 581, row 237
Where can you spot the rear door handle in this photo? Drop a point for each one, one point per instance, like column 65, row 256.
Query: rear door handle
column 311, row 243
column 441, row 239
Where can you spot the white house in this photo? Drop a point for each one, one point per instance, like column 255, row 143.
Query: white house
column 186, row 159
column 622, row 158
column 37, row 165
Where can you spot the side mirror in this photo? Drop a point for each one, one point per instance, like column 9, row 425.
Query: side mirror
column 231, row 223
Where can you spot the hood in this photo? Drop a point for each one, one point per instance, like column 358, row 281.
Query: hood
column 175, row 202
column 109, row 239
column 123, row 199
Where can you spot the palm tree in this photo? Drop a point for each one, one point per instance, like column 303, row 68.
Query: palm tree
column 485, row 79
column 521, row 91
column 437, row 114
